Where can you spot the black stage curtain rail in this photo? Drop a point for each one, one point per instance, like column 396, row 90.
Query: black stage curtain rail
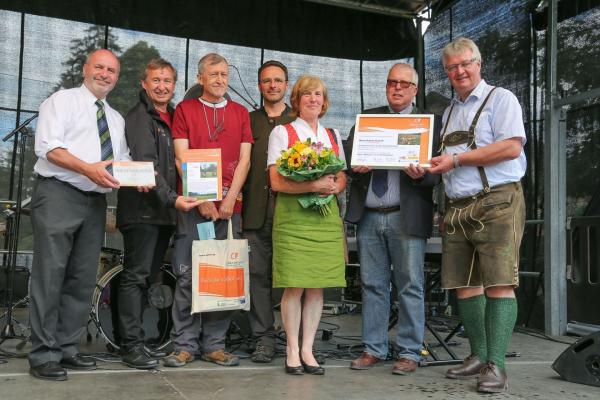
column 291, row 26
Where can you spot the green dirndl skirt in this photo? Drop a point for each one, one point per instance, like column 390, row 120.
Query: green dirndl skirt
column 308, row 248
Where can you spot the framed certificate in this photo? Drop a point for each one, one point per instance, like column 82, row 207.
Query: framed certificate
column 202, row 174
column 392, row 141
column 134, row 173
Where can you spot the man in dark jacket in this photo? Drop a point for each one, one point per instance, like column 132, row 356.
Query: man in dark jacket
column 258, row 206
column 393, row 213
column 147, row 220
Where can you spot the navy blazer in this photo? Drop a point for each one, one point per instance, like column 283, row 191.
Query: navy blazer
column 416, row 202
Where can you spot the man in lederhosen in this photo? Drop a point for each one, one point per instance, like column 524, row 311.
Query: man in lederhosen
column 482, row 163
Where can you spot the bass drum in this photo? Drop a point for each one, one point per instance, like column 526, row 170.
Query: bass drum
column 157, row 319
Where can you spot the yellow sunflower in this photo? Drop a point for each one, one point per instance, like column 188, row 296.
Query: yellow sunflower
column 294, row 161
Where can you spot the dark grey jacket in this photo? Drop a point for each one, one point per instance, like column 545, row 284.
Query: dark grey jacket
column 416, row 203
column 149, row 139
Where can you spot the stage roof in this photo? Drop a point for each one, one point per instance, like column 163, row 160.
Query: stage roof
column 352, row 29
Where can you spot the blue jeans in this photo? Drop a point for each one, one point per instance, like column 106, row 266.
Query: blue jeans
column 381, row 244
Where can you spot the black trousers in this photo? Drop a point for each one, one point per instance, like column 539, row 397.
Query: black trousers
column 262, row 294
column 68, row 228
column 145, row 246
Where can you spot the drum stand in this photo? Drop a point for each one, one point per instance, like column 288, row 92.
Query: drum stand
column 11, row 240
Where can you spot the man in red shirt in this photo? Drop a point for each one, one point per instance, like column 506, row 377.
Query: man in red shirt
column 208, row 122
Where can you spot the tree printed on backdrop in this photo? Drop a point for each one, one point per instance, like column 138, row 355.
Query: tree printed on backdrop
column 80, row 48
column 122, row 98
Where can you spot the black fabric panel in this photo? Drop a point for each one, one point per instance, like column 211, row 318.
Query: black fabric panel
column 293, row 25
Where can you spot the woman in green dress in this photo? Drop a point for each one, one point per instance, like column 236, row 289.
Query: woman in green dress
column 308, row 251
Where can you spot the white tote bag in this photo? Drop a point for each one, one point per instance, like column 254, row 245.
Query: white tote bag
column 220, row 274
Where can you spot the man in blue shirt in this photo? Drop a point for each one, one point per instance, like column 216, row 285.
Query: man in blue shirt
column 393, row 212
column 482, row 163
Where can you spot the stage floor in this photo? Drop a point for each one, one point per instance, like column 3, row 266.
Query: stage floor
column 530, row 376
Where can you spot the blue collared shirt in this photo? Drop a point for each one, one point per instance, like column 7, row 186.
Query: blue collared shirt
column 501, row 119
column 391, row 197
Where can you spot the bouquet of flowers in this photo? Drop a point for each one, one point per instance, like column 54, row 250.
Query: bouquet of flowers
column 306, row 161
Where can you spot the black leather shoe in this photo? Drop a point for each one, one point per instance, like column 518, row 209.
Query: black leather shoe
column 79, row 363
column 138, row 358
column 50, row 371
column 313, row 369
column 154, row 353
column 299, row 370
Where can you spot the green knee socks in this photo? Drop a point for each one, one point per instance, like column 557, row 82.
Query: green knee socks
column 500, row 318
column 472, row 312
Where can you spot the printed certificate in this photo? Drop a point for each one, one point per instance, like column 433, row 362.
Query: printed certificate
column 392, row 141
column 202, row 174
column 134, row 173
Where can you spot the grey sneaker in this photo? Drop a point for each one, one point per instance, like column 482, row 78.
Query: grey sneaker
column 263, row 354
column 221, row 357
column 178, row 358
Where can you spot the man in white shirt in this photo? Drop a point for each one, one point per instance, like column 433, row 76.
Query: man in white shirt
column 482, row 163
column 77, row 137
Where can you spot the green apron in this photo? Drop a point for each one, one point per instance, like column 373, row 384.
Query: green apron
column 308, row 250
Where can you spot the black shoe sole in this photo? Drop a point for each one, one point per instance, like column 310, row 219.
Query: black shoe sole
column 294, row 370
column 153, row 366
column 79, row 368
column 48, row 378
column 462, row 377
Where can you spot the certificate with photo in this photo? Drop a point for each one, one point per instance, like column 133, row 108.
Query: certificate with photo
column 202, row 174
column 392, row 141
column 134, row 173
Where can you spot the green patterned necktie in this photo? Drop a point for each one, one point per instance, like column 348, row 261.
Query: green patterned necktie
column 106, row 151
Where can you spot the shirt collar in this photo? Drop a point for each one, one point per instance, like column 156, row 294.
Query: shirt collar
column 406, row 110
column 476, row 93
column 215, row 105
column 89, row 96
column 285, row 111
column 305, row 124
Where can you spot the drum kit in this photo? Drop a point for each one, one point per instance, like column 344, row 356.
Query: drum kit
column 103, row 321
column 157, row 320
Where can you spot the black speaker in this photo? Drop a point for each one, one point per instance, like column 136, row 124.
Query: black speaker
column 580, row 363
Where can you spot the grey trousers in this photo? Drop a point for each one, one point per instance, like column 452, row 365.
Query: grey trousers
column 261, row 315
column 68, row 228
column 187, row 327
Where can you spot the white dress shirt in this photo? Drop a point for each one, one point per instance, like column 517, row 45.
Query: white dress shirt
column 278, row 140
column 67, row 120
column 502, row 118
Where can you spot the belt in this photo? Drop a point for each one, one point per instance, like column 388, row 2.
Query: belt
column 85, row 193
column 482, row 193
column 384, row 210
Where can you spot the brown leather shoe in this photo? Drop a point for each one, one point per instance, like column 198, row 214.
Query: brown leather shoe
column 468, row 369
column 365, row 361
column 404, row 366
column 492, row 379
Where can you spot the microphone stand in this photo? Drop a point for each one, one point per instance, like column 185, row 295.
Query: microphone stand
column 250, row 102
column 12, row 233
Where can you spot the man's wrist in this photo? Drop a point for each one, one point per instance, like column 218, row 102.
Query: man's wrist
column 455, row 161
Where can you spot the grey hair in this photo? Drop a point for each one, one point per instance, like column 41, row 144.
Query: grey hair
column 459, row 46
column 210, row 59
column 415, row 78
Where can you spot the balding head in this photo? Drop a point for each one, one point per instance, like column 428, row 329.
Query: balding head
column 401, row 86
column 101, row 72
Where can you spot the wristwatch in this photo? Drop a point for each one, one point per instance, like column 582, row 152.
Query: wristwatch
column 455, row 161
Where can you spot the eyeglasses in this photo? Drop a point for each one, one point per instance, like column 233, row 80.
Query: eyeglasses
column 403, row 84
column 464, row 65
column 268, row 81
